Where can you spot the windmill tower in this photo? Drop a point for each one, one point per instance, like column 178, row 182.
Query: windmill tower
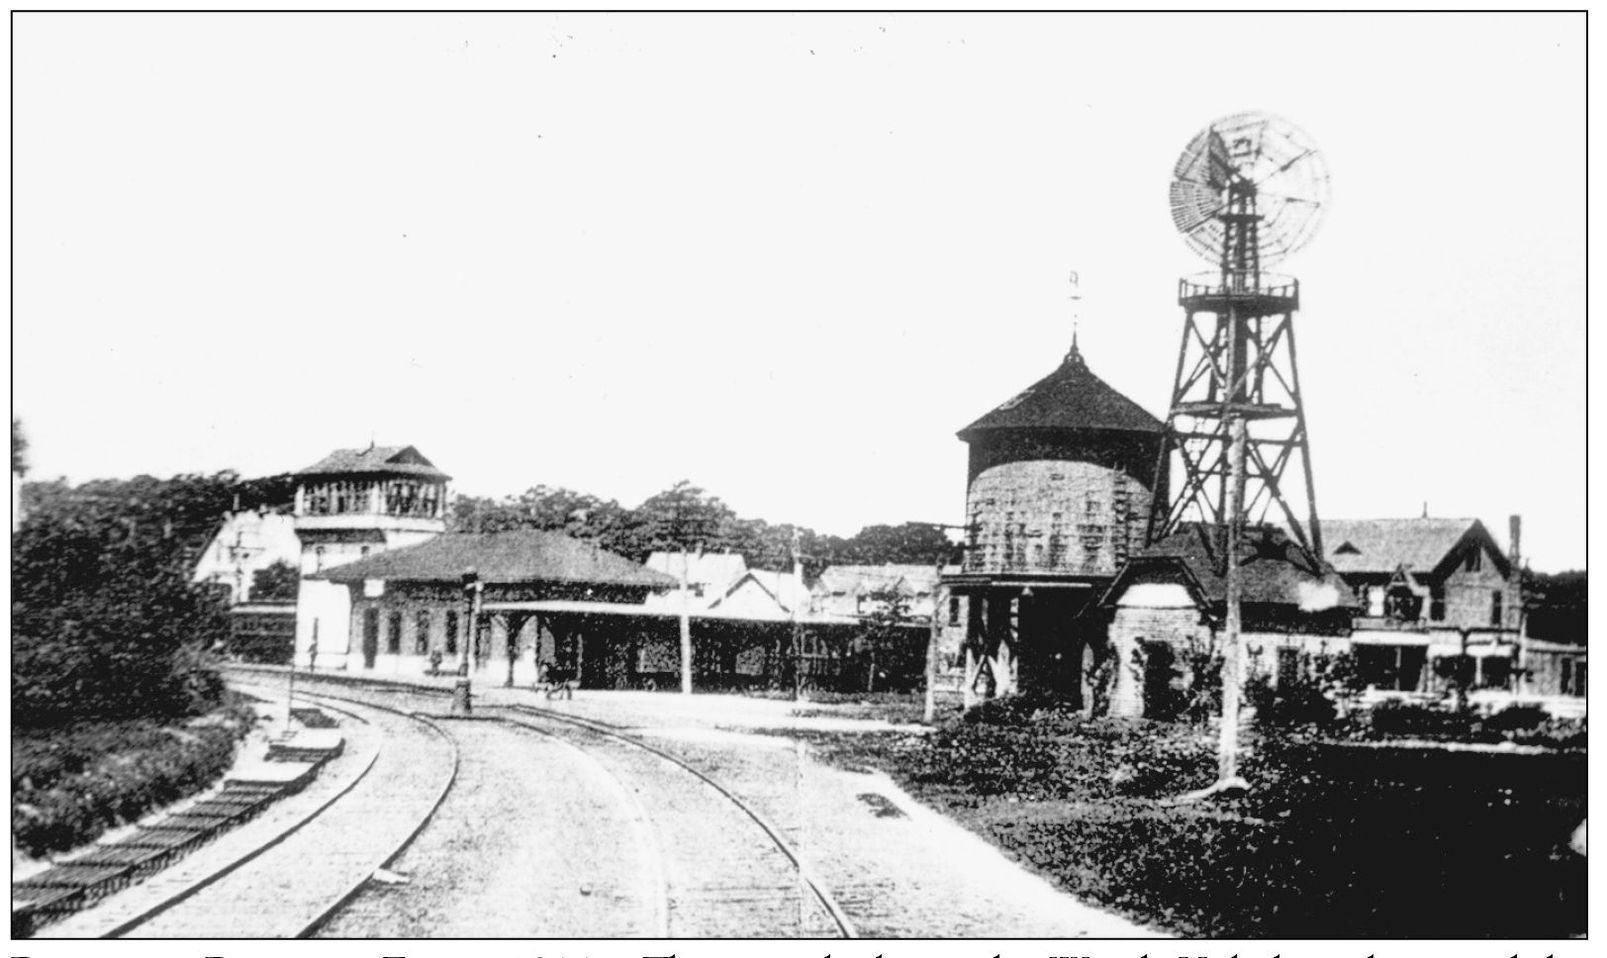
column 1247, row 191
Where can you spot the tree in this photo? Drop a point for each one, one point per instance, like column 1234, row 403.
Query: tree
column 912, row 542
column 105, row 620
column 683, row 516
column 19, row 448
column 1556, row 605
column 277, row 583
column 884, row 638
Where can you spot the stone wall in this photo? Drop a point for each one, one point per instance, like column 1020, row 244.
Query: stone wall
column 1072, row 518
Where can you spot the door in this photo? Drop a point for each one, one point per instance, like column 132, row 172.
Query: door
column 370, row 636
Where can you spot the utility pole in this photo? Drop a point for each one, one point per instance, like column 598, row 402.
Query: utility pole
column 797, row 628
column 686, row 628
column 929, row 708
column 1232, row 652
column 462, row 699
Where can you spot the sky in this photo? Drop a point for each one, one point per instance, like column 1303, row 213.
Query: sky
column 786, row 257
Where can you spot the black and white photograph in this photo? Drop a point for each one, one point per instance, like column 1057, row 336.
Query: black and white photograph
column 1051, row 482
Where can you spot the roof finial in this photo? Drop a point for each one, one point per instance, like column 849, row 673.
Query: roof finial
column 1075, row 355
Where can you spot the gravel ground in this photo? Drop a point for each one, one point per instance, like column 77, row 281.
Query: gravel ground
column 289, row 885
column 898, row 868
column 532, row 842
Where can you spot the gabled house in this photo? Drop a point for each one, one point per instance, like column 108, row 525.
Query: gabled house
column 261, row 628
column 859, row 589
column 246, row 543
column 1438, row 601
column 763, row 596
column 706, row 574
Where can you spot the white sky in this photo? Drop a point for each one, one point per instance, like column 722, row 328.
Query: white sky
column 786, row 257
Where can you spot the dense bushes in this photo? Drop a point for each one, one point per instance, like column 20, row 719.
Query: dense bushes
column 1332, row 840
column 1519, row 724
column 69, row 784
column 1034, row 751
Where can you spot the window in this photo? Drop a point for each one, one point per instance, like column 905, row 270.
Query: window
column 1092, row 507
column 1475, row 560
column 452, row 632
column 1436, row 603
column 1288, row 665
column 317, row 500
column 1495, row 608
column 954, row 610
column 393, row 635
column 1495, row 672
column 1573, row 677
column 421, row 633
column 364, row 552
column 318, row 559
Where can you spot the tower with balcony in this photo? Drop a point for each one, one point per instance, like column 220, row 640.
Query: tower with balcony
column 349, row 505
column 1057, row 498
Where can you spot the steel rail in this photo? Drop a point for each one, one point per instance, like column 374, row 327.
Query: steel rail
column 356, row 888
column 661, row 906
column 805, row 874
column 191, row 890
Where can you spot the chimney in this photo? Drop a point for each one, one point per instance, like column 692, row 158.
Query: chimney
column 1514, row 535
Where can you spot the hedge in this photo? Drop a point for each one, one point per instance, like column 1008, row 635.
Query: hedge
column 70, row 784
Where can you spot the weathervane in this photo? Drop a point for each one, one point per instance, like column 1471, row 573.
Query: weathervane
column 1076, row 300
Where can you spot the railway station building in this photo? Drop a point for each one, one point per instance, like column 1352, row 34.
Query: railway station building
column 381, row 591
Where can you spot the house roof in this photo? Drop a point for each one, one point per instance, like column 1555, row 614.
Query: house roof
column 249, row 540
column 376, row 460
column 708, row 569
column 1071, row 397
column 524, row 555
column 785, row 589
column 907, row 578
column 1384, row 545
column 1273, row 571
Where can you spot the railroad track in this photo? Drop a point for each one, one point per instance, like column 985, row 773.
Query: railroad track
column 689, row 857
column 290, row 882
column 713, row 864
column 817, row 912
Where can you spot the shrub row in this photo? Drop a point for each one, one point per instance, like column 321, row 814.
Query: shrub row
column 1333, row 839
column 70, row 784
column 1521, row 724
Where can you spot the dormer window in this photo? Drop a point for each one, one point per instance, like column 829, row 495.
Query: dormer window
column 1347, row 549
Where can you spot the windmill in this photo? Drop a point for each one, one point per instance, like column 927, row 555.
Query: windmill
column 1247, row 191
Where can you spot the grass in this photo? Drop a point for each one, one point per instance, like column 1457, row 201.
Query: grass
column 71, row 783
column 1333, row 840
